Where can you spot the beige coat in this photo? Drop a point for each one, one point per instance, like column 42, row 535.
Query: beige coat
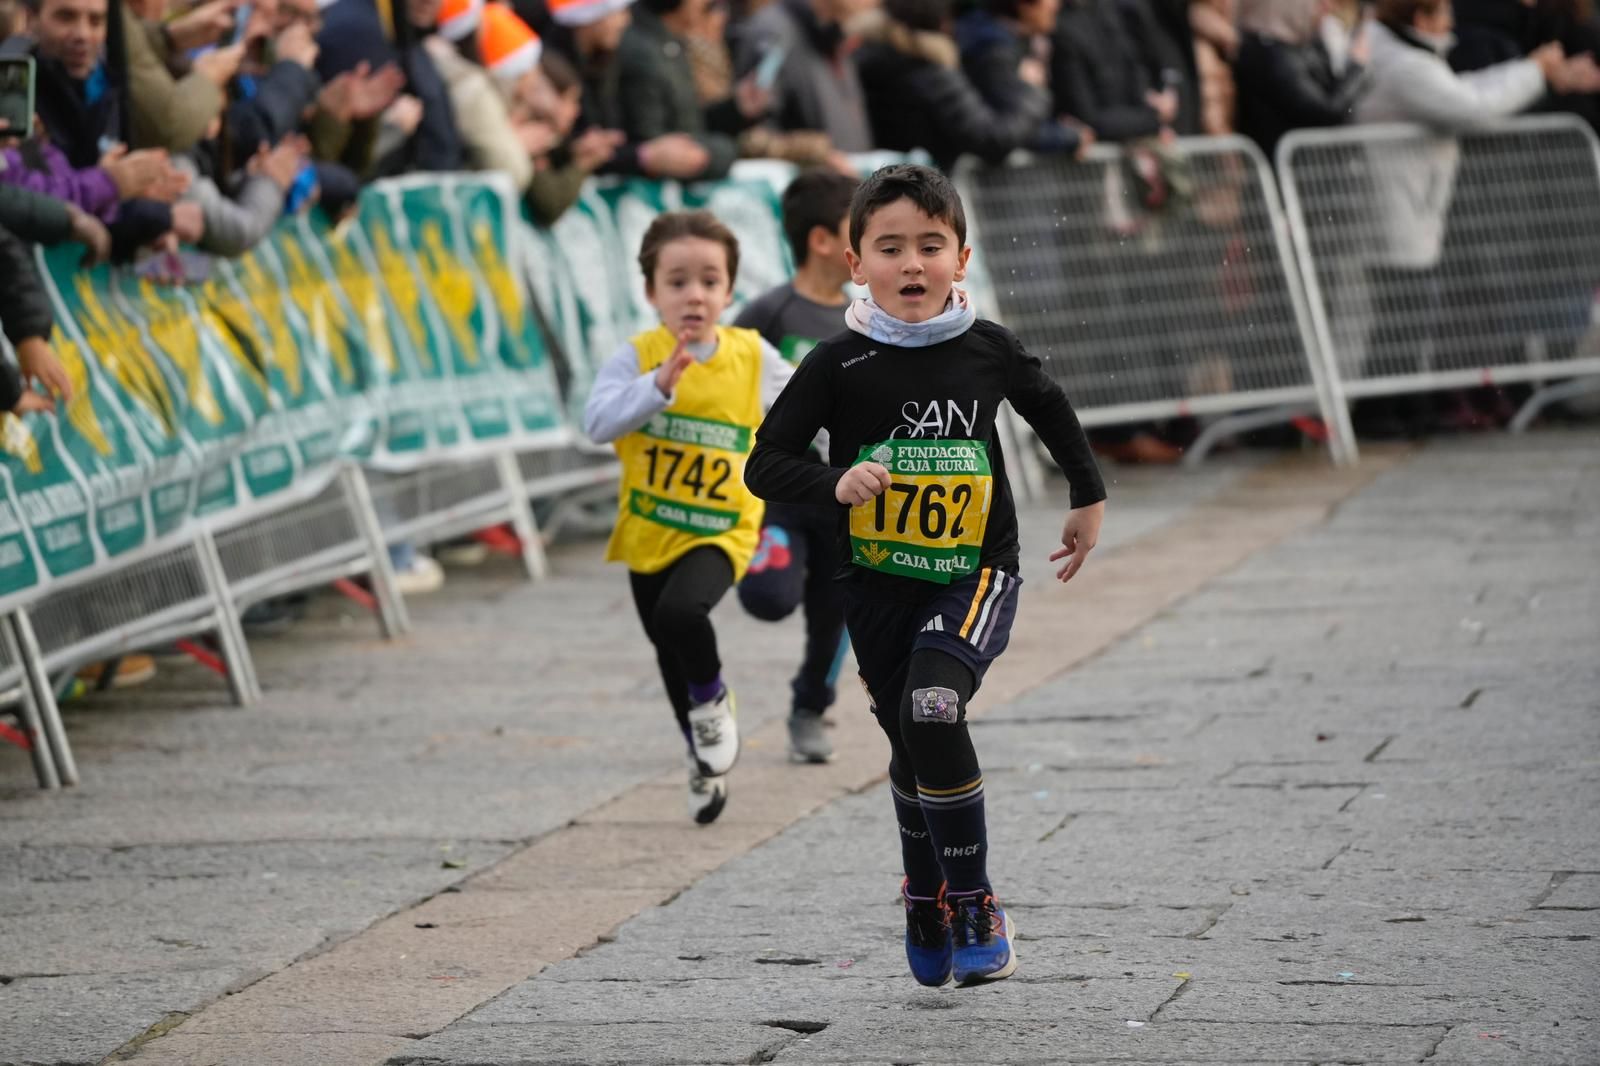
column 481, row 115
column 167, row 112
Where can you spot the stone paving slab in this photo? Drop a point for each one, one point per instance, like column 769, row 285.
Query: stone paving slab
column 1251, row 840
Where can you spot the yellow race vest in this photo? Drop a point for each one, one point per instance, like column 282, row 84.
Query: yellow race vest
column 683, row 471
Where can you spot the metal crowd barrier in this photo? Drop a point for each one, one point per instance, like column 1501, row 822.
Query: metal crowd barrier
column 1145, row 314
column 1435, row 262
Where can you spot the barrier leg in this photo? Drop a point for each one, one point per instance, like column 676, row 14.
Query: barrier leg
column 230, row 633
column 1022, row 459
column 392, row 618
column 522, row 519
column 53, row 736
column 44, row 767
column 1242, row 422
column 1544, row 397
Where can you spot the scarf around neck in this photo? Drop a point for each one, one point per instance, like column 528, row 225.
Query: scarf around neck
column 870, row 320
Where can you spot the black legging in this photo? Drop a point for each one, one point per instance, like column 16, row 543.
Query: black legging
column 675, row 606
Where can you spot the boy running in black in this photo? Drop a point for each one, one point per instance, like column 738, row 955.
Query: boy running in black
column 797, row 558
column 908, row 398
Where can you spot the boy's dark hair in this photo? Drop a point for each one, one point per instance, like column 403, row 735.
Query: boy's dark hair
column 933, row 193
column 560, row 72
column 815, row 198
column 675, row 226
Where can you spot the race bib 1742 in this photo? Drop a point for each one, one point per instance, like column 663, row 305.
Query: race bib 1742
column 929, row 523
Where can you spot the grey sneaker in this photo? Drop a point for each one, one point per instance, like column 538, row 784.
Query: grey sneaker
column 807, row 741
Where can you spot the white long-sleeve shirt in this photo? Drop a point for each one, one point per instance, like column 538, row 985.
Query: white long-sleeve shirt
column 623, row 398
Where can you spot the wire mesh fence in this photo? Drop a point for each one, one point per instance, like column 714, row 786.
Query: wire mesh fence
column 1436, row 262
column 1143, row 313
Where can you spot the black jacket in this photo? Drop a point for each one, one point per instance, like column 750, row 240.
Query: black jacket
column 918, row 97
column 1100, row 74
column 991, row 51
column 656, row 94
column 24, row 307
column 1284, row 87
column 34, row 217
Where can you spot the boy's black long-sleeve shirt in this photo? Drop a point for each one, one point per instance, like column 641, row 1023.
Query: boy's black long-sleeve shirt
column 865, row 392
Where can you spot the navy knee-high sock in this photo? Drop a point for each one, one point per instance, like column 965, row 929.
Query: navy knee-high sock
column 924, row 875
column 949, row 782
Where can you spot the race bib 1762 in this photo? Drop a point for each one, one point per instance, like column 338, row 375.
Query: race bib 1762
column 929, row 523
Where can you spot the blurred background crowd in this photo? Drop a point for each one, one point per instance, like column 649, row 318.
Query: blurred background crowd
column 164, row 122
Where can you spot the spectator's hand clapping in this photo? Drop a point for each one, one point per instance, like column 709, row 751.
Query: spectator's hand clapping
column 1164, row 104
column 297, row 44
column 361, row 94
column 188, row 222
column 92, row 234
column 751, row 98
column 1086, row 137
column 537, row 138
column 593, row 148
column 147, row 174
column 220, row 65
column 281, row 163
column 1551, row 59
column 1361, row 46
column 33, row 401
column 1578, row 75
column 405, row 114
column 38, row 362
column 674, row 155
column 204, row 26
column 1033, row 71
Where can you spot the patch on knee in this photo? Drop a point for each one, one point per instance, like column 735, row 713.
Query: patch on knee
column 941, row 705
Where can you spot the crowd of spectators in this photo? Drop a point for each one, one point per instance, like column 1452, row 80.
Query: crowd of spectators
column 161, row 122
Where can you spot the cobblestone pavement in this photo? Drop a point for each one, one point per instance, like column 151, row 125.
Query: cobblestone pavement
column 1331, row 804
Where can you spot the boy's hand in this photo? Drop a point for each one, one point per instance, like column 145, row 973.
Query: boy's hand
column 1078, row 539
column 862, row 483
column 671, row 372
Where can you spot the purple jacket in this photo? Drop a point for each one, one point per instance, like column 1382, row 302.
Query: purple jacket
column 43, row 168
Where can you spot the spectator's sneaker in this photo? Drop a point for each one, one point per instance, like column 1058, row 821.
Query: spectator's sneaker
column 806, row 740
column 419, row 576
column 707, row 795
column 714, row 734
column 981, row 933
column 124, row 672
column 927, row 937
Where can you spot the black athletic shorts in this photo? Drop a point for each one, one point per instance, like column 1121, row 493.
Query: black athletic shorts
column 969, row 619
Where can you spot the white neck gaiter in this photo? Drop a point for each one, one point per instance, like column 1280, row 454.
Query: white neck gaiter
column 870, row 320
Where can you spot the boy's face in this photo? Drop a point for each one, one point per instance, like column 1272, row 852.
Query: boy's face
column 691, row 288
column 909, row 261
column 829, row 247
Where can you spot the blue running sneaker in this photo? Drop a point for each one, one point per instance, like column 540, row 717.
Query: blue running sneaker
column 981, row 933
column 927, row 937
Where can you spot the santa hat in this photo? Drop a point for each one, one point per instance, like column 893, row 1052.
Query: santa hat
column 506, row 44
column 584, row 12
column 458, row 18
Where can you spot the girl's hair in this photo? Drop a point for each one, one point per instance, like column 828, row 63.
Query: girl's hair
column 1290, row 21
column 675, row 226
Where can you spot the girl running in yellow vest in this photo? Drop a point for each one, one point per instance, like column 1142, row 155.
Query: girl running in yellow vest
column 682, row 402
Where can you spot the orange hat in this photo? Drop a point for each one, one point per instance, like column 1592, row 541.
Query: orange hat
column 458, row 18
column 508, row 47
column 584, row 12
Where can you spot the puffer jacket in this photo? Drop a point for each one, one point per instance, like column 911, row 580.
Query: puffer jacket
column 1285, row 87
column 1411, row 82
column 918, row 97
column 1100, row 73
column 24, row 308
column 657, row 96
column 991, row 53
column 34, row 217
